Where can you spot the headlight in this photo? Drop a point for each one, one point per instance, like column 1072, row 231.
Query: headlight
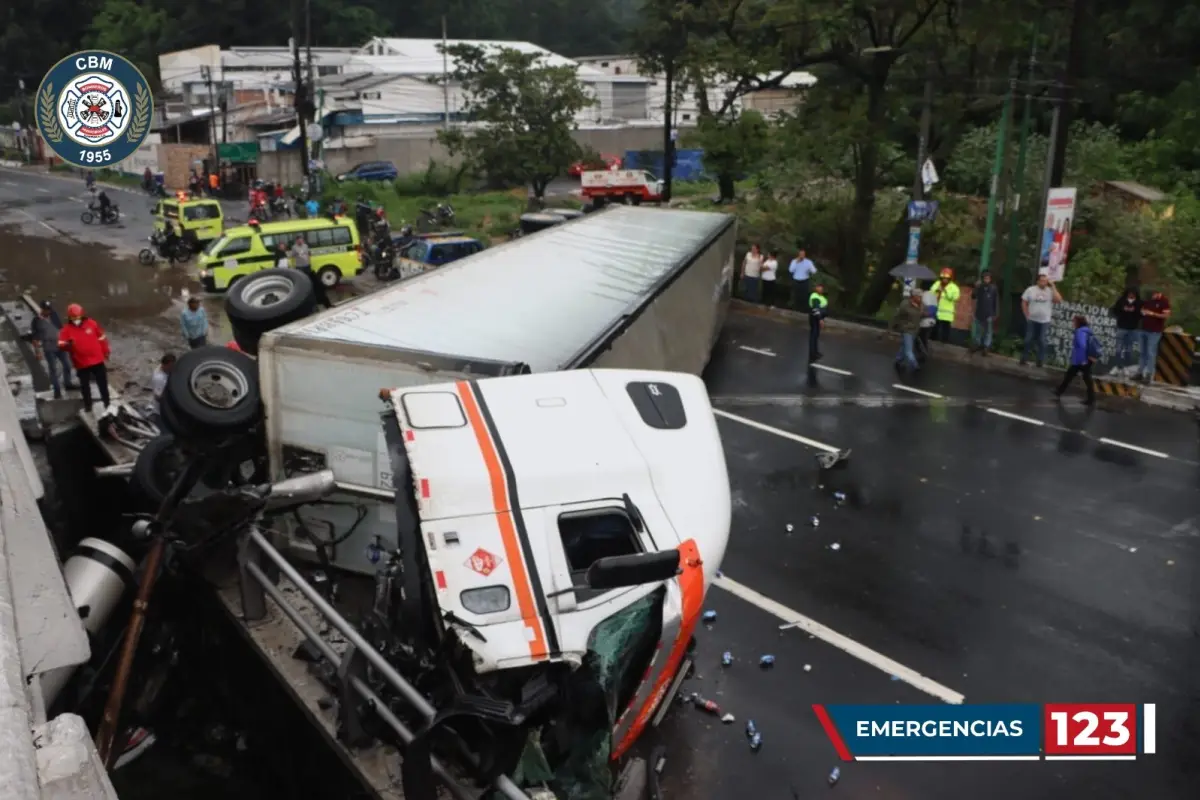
column 486, row 600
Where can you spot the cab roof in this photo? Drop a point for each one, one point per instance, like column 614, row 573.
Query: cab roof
column 290, row 226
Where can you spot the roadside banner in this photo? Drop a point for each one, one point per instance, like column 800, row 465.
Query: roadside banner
column 1056, row 232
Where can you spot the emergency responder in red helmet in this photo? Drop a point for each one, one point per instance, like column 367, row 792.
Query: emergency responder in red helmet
column 85, row 340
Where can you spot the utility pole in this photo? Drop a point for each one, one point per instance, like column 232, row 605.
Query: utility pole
column 918, row 190
column 668, row 133
column 206, row 73
column 1014, row 224
column 445, row 79
column 26, row 134
column 300, row 99
column 1071, row 76
column 985, row 257
column 1048, row 178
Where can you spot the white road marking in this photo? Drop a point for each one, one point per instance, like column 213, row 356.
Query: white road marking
column 756, row 350
column 843, row 643
column 921, row 392
column 834, row 370
column 1017, row 417
column 43, row 191
column 1134, row 448
column 43, row 223
column 795, row 437
column 10, row 183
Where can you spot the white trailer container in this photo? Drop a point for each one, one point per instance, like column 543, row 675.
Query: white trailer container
column 635, row 288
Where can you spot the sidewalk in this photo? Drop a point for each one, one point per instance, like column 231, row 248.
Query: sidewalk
column 1176, row 398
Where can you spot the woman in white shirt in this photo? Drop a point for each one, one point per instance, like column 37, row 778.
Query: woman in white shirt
column 752, row 274
column 770, row 269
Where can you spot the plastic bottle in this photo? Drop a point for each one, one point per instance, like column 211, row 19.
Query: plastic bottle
column 727, row 659
column 835, row 775
column 766, row 662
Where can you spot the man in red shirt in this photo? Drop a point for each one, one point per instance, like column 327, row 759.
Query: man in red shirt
column 1155, row 313
column 84, row 339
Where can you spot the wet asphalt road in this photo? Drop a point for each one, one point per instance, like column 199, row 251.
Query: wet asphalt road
column 996, row 557
column 1000, row 559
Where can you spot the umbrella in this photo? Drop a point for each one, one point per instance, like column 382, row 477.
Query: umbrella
column 917, row 272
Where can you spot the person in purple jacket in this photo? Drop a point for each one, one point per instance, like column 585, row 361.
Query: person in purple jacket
column 1085, row 353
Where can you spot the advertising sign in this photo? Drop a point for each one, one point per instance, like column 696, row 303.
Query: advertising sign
column 1056, row 232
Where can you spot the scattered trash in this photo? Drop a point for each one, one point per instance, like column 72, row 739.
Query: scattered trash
column 766, row 662
column 728, row 718
column 790, row 527
column 808, row 667
column 1036, row 517
column 895, row 677
column 755, row 743
column 815, row 521
column 924, row 480
column 751, row 728
column 727, row 659
column 1170, row 563
column 835, row 546
column 839, row 497
column 709, row 617
column 707, row 706
column 1133, row 549
column 835, row 775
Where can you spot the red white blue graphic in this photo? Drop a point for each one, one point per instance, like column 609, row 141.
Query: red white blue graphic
column 1017, row 732
column 94, row 110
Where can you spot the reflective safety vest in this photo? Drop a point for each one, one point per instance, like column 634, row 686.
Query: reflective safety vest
column 946, row 301
column 818, row 299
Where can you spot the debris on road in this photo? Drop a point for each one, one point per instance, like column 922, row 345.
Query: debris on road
column 766, row 662
column 756, row 743
column 709, row 617
column 705, row 705
column 727, row 659
column 1170, row 563
column 790, row 527
column 835, row 546
column 839, row 497
column 835, row 775
column 751, row 728
column 815, row 521
column 728, row 718
column 808, row 667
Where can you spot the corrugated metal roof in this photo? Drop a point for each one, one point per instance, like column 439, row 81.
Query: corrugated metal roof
column 540, row 299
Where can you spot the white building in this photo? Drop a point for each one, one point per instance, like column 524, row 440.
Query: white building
column 686, row 109
column 386, row 80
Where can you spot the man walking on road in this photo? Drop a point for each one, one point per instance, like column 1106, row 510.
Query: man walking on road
column 45, row 331
column 1155, row 313
column 802, row 270
column 987, row 310
column 84, row 339
column 947, row 294
column 817, row 305
column 303, row 263
column 1128, row 313
column 194, row 321
column 908, row 322
column 1085, row 353
column 1037, row 304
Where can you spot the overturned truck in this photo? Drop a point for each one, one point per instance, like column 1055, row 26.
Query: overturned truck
column 540, row 514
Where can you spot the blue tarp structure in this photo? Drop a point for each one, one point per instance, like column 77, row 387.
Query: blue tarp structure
column 688, row 166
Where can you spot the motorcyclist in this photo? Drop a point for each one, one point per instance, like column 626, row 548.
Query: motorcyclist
column 381, row 231
column 105, row 205
column 362, row 216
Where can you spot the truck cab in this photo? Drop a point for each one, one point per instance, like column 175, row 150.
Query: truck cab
column 566, row 526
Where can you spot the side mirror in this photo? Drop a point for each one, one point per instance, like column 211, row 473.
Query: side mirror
column 618, row 571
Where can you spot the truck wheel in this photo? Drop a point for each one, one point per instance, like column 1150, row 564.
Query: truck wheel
column 265, row 301
column 637, row 199
column 156, row 468
column 214, row 391
column 329, row 276
column 628, row 198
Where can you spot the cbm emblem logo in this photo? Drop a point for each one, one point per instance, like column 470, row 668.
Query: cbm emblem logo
column 94, row 109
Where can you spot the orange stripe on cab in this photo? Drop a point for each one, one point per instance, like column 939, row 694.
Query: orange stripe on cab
column 504, row 518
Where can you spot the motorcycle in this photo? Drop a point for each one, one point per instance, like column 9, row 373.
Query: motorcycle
column 179, row 251
column 381, row 258
column 94, row 213
column 278, row 206
column 440, row 217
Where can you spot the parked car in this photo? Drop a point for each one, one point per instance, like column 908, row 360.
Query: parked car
column 604, row 162
column 371, row 171
column 430, row 251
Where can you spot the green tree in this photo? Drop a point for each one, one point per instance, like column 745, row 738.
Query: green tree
column 133, row 29
column 733, row 145
column 524, row 110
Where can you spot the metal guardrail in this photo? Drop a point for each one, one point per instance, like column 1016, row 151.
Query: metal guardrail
column 257, row 557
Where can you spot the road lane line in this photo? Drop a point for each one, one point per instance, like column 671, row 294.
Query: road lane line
column 834, row 370
column 795, row 437
column 1134, row 448
column 844, row 643
column 43, row 191
column 10, row 183
column 914, row 390
column 1017, row 417
column 756, row 350
column 43, row 223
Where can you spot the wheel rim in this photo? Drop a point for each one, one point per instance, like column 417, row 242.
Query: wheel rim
column 219, row 385
column 265, row 291
column 329, row 277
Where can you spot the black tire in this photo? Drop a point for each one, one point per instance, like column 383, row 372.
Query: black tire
column 155, row 470
column 87, row 217
column 265, row 301
column 213, row 392
column 146, row 256
column 329, row 276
